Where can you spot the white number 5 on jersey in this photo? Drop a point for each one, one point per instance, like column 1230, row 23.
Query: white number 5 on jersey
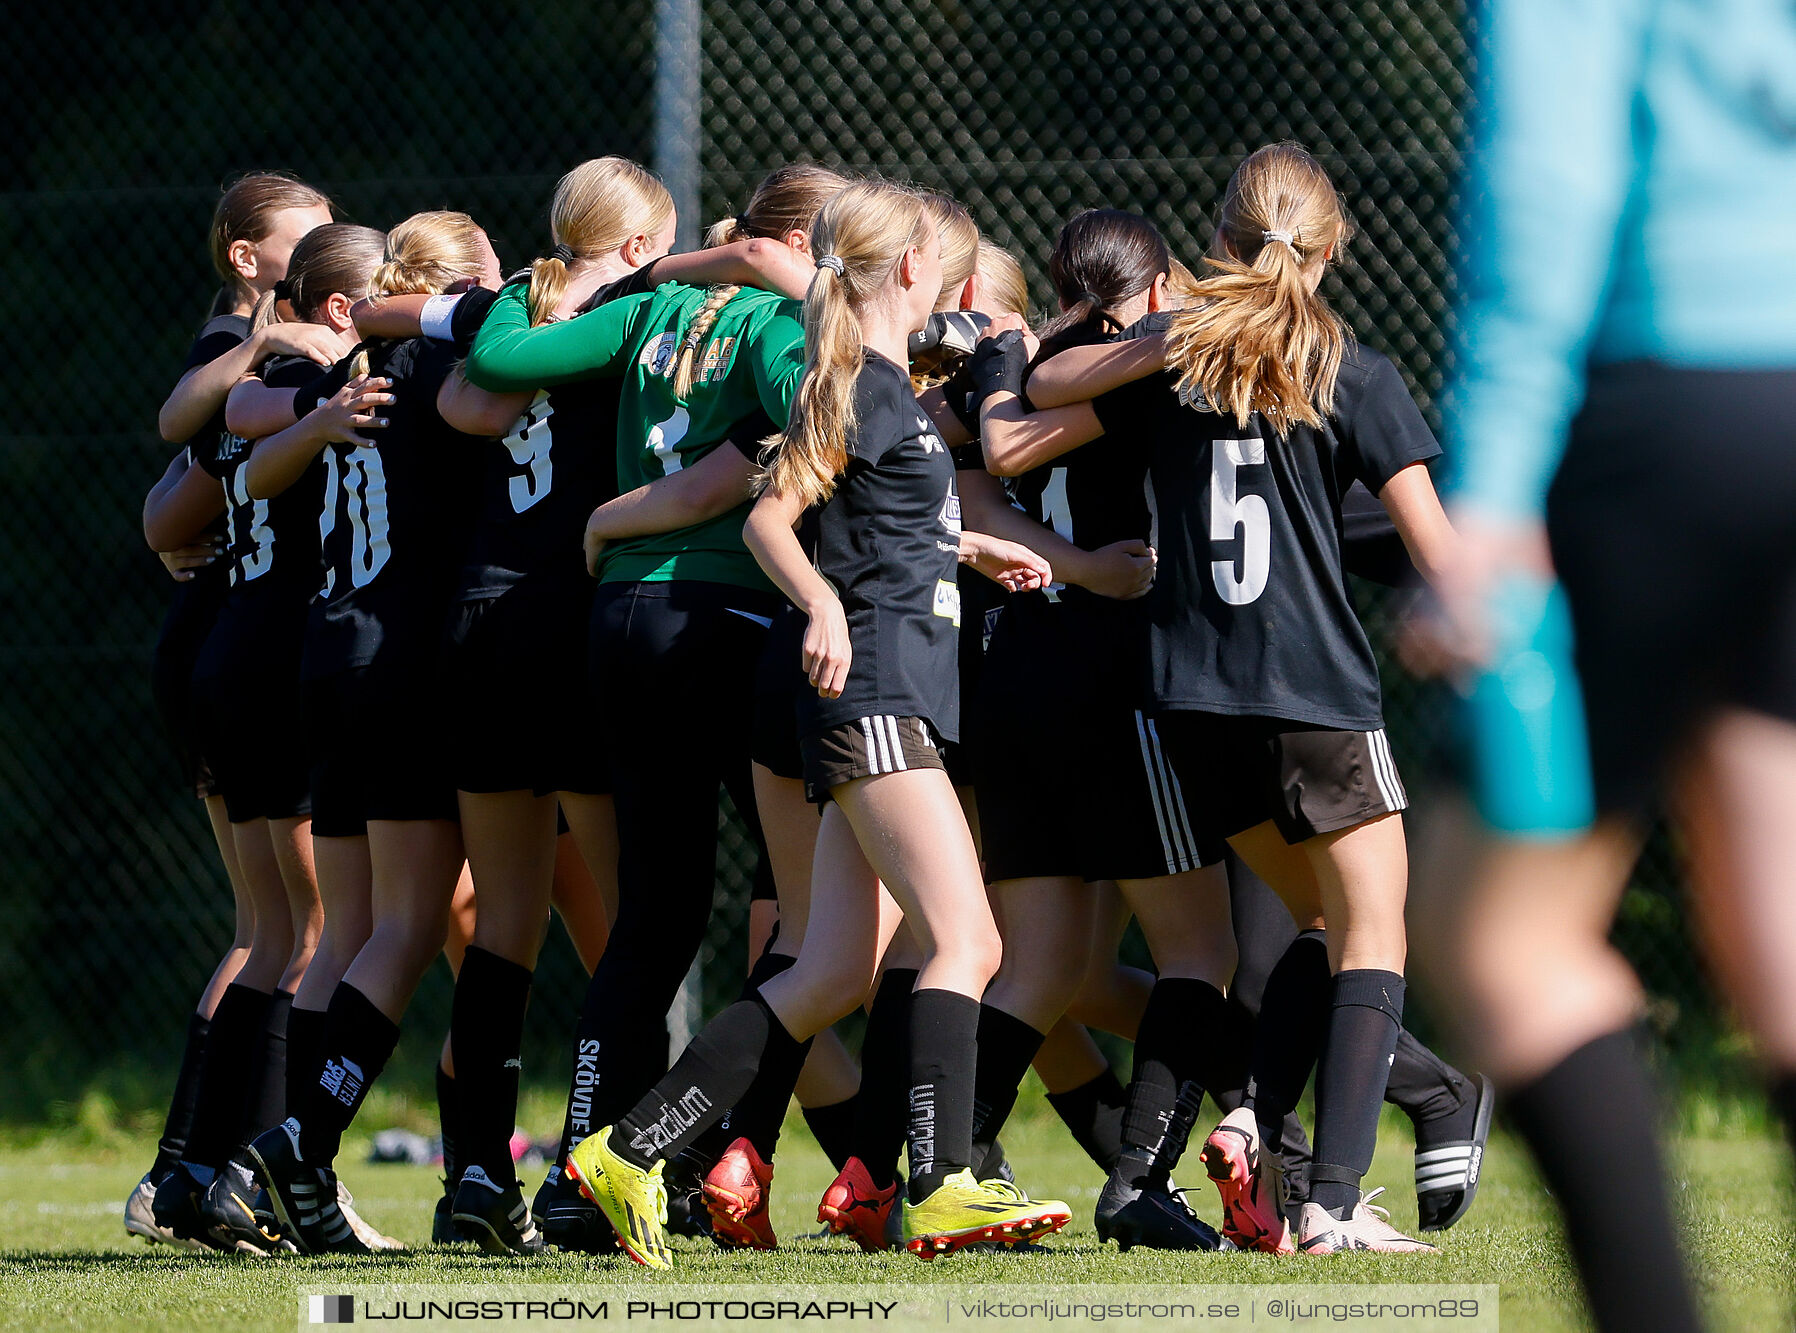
column 1232, row 516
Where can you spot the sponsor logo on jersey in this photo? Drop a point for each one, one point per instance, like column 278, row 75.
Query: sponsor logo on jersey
column 947, row 601
column 951, row 512
column 658, row 355
column 931, row 442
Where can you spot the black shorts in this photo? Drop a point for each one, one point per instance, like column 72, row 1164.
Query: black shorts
column 184, row 629
column 524, row 717
column 380, row 748
column 1241, row 771
column 981, row 604
column 1672, row 530
column 866, row 748
column 779, row 680
column 249, row 711
column 1071, row 778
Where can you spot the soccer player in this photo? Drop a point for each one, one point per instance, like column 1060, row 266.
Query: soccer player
column 682, row 609
column 1263, row 685
column 245, row 681
column 255, row 226
column 859, row 446
column 1628, row 376
column 389, row 853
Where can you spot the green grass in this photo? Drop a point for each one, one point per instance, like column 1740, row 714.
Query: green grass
column 65, row 1261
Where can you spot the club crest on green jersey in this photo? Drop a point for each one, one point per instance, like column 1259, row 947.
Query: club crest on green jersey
column 658, row 353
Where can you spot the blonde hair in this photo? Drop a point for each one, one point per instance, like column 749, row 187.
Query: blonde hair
column 868, row 226
column 1006, row 287
column 423, row 255
column 598, row 206
column 1259, row 338
column 427, row 252
column 960, row 246
column 246, row 212
column 337, row 257
column 1181, row 283
column 786, row 200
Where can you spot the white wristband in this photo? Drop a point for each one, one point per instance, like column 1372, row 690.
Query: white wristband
column 438, row 315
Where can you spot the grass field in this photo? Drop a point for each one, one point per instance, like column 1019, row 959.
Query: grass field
column 65, row 1261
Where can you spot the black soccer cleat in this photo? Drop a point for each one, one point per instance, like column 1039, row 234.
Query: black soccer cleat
column 229, row 1209
column 442, row 1220
column 1151, row 1215
column 176, row 1207
column 687, row 1212
column 1447, row 1173
column 568, row 1220
column 493, row 1216
column 304, row 1197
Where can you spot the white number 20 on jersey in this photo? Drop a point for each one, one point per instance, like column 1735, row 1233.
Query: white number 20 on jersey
column 1233, row 515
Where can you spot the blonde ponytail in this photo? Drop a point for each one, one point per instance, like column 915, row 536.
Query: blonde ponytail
column 867, row 227
column 598, row 206
column 427, row 252
column 785, row 201
column 1258, row 337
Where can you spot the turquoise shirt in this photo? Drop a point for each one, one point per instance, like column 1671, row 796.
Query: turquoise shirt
column 1630, row 193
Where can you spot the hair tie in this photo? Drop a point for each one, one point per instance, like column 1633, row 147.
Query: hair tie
column 1288, row 238
column 741, row 222
column 565, row 253
column 283, row 291
column 834, row 264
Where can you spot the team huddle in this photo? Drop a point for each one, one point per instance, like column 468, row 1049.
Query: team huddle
column 996, row 636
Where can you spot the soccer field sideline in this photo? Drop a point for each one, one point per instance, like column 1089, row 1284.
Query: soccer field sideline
column 65, row 1261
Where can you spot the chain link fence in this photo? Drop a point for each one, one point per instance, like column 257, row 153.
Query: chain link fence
column 121, row 130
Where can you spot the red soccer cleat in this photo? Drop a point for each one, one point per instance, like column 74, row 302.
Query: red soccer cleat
column 1251, row 1215
column 854, row 1206
column 736, row 1194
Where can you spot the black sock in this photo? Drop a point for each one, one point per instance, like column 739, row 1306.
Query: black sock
column 358, row 1041
column 1592, row 1123
column 717, row 1070
column 1439, row 1100
column 944, row 1045
column 1006, row 1045
column 761, row 1113
column 1288, row 1038
column 269, row 1106
column 180, row 1105
column 486, row 1032
column 1093, row 1112
column 305, row 1054
column 449, row 1122
column 833, row 1128
column 1182, row 1021
column 879, row 1111
column 222, row 1107
column 1363, row 1022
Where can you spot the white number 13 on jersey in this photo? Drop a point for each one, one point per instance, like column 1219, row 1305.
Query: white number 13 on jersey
column 1232, row 516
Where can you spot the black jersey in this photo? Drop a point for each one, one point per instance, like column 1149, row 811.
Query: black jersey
column 273, row 543
column 1093, row 495
column 1250, row 613
column 888, row 540
column 220, row 334
column 395, row 519
column 555, row 466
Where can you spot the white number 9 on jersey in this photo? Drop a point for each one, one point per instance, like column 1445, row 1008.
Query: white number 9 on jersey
column 1232, row 516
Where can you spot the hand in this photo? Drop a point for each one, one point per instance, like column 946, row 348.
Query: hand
column 594, row 544
column 186, row 561
column 827, row 652
column 1008, row 322
column 308, row 340
column 1456, row 629
column 1122, row 570
column 1013, row 567
column 348, row 410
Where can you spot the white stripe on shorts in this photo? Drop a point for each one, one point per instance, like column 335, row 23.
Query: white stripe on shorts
column 1384, row 770
column 873, row 748
column 1176, row 843
column 891, row 724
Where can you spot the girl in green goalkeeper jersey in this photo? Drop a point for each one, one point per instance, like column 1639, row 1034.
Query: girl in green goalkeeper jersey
column 682, row 608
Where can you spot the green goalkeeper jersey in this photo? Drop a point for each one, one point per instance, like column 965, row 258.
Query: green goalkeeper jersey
column 751, row 360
